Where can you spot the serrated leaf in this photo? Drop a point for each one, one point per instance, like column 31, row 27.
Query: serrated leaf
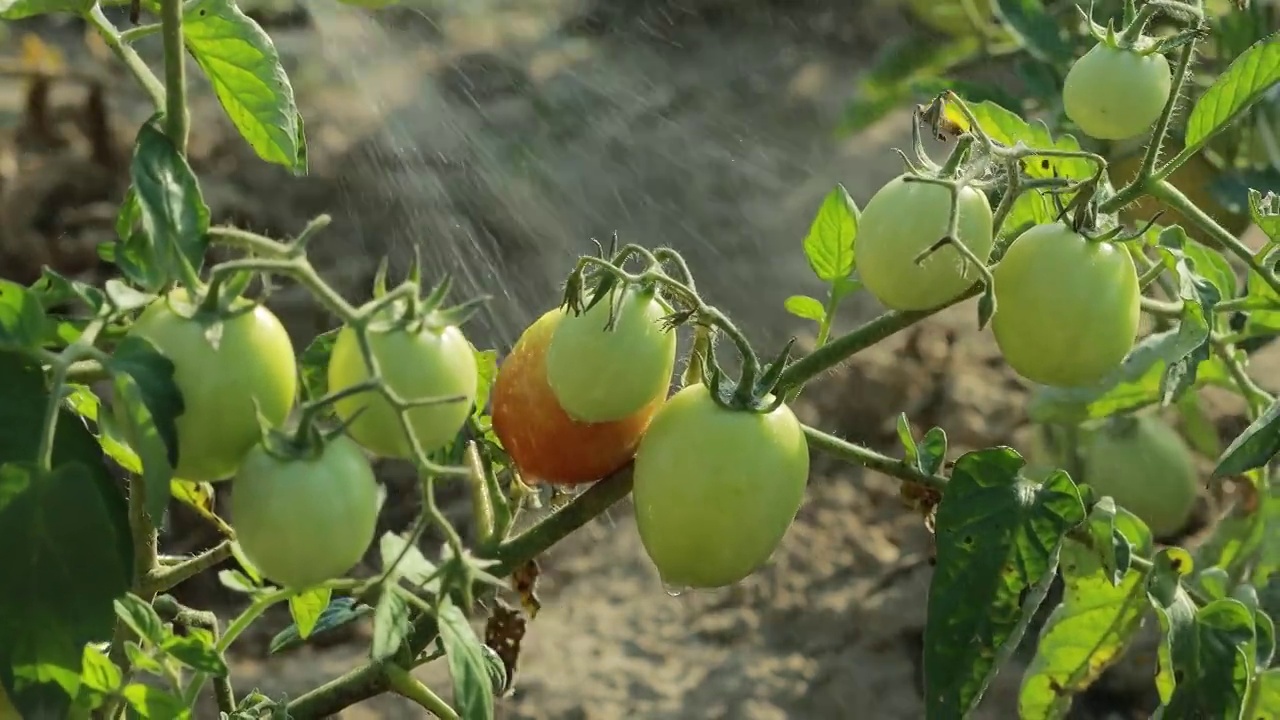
column 1254, row 447
column 196, row 654
column 1244, row 83
column 171, row 208
column 998, row 542
column 829, row 245
column 98, row 672
column 22, row 318
column 19, row 9
column 1008, row 128
column 313, row 365
column 306, row 607
column 472, row 686
column 803, row 306
column 155, row 704
column 1217, row 666
column 244, row 68
column 1084, row 635
column 141, row 618
column 391, row 624
column 340, row 611
column 141, row 659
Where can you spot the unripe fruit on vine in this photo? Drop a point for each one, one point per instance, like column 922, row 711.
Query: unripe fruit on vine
column 1146, row 466
column 1116, row 93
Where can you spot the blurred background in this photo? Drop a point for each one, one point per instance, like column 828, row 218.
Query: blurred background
column 497, row 137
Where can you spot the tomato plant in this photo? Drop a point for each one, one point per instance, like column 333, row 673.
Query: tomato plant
column 610, row 361
column 716, row 488
column 908, row 217
column 1144, row 464
column 176, row 371
column 250, row 370
column 544, row 442
column 418, row 359
column 304, row 517
column 1067, row 307
column 1115, row 93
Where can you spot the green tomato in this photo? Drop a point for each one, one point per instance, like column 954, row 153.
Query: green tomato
column 716, row 490
column 1145, row 465
column 254, row 361
column 602, row 375
column 418, row 361
column 1067, row 308
column 905, row 218
column 1116, row 94
column 303, row 521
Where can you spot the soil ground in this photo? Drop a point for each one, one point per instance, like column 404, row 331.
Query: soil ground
column 496, row 141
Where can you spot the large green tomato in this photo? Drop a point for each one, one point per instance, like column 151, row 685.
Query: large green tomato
column 1067, row 308
column 1145, row 465
column 254, row 360
column 905, row 218
column 602, row 375
column 1116, row 94
column 417, row 361
column 306, row 520
column 715, row 489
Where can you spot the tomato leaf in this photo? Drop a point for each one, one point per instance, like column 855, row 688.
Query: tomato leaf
column 141, row 618
column 313, row 365
column 173, row 214
column 339, row 612
column 19, row 9
column 1236, row 537
column 1199, row 297
column 472, row 685
column 1254, row 447
column 391, row 623
column 486, row 373
column 1264, row 630
column 1265, row 695
column 1265, row 216
column 400, row 559
column 68, row 552
column 1217, row 663
column 148, row 403
column 155, row 704
column 98, row 672
column 829, row 244
column 803, row 306
column 305, row 608
column 244, row 68
column 53, row 289
column 1138, row 382
column 22, row 318
column 1038, row 32
column 1176, row 613
column 196, row 653
column 999, row 536
column 1244, row 83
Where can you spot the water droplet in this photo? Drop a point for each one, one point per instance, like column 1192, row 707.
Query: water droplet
column 673, row 590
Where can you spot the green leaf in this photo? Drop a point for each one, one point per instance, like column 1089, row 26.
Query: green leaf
column 53, row 289
column 1199, row 297
column 1244, row 83
column 306, row 607
column 170, row 205
column 1138, row 382
column 1217, row 665
column 1084, row 635
column 22, row 319
column 340, row 611
column 244, row 68
column 155, row 704
column 391, row 623
column 998, row 543
column 67, row 548
column 1264, row 630
column 98, row 672
column 1265, row 696
column 141, row 618
column 313, row 365
column 19, row 9
column 1254, row 447
column 147, row 405
column 141, row 659
column 1176, row 613
column 486, row 374
column 472, row 686
column 196, row 653
column 829, row 244
column 1008, row 128
column 1267, row 220
column 1037, row 30
column 803, row 306
column 1235, row 539
column 410, row 563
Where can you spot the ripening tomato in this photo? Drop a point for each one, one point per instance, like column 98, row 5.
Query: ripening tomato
column 716, row 489
column 418, row 360
column 905, row 218
column 601, row 375
column 1145, row 465
column 302, row 521
column 546, row 444
column 1067, row 308
column 254, row 360
column 1115, row 93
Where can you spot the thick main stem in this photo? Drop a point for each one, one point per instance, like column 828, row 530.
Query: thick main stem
column 176, row 115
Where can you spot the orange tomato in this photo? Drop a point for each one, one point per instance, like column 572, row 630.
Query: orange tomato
column 546, row 444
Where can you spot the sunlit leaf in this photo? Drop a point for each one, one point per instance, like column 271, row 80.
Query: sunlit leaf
column 1244, row 83
column 472, row 685
column 305, row 608
column 829, row 244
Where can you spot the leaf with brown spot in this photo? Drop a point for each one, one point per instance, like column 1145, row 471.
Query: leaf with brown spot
column 525, row 582
column 503, row 634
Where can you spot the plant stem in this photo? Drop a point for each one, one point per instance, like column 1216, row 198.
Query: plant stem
column 871, row 459
column 234, row 630
column 406, row 685
column 176, row 115
column 130, row 57
column 1162, row 125
column 159, row 580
